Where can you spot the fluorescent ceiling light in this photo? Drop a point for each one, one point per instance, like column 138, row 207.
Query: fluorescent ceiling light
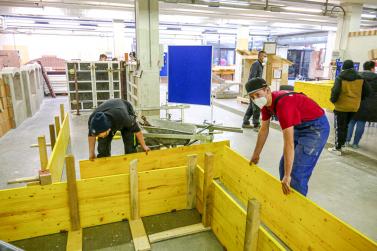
column 314, row 20
column 108, row 14
column 237, row 3
column 195, row 11
column 181, row 19
column 291, row 8
column 368, row 15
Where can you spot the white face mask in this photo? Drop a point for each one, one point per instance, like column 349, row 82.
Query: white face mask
column 260, row 102
column 264, row 60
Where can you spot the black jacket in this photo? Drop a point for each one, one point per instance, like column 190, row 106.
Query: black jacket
column 349, row 75
column 256, row 70
column 368, row 107
column 121, row 114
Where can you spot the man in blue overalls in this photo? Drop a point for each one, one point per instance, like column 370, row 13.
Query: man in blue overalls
column 305, row 132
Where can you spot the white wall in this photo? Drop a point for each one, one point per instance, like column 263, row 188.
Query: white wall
column 358, row 47
column 63, row 46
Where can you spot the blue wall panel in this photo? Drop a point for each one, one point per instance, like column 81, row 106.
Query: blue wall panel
column 189, row 71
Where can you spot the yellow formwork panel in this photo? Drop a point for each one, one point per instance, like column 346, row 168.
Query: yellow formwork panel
column 41, row 210
column 319, row 91
column 297, row 221
column 229, row 224
column 56, row 161
column 155, row 160
column 302, row 225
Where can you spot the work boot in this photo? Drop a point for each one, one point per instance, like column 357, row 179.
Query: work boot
column 256, row 128
column 335, row 151
column 248, row 126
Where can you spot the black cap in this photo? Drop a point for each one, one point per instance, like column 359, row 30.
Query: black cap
column 255, row 84
column 99, row 123
column 347, row 64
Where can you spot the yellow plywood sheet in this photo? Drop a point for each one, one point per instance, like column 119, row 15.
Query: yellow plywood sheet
column 40, row 210
column 320, row 92
column 56, row 160
column 199, row 175
column 154, row 160
column 106, row 199
column 33, row 211
column 300, row 223
column 229, row 224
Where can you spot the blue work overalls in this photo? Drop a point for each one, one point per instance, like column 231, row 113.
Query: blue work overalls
column 309, row 139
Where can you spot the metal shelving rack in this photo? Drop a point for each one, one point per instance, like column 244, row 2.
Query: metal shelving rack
column 97, row 82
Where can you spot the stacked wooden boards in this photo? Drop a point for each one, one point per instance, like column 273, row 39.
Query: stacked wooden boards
column 292, row 221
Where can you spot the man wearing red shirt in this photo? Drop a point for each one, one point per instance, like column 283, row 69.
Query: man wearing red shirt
column 305, row 132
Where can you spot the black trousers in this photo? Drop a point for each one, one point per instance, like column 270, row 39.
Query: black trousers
column 341, row 120
column 252, row 111
column 104, row 144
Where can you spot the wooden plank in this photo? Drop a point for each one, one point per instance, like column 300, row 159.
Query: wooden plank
column 134, row 191
column 73, row 201
column 172, row 157
column 178, row 232
column 252, row 225
column 208, row 189
column 56, row 160
column 62, row 113
column 52, row 135
column 74, row 241
column 106, row 199
column 32, row 211
column 40, row 210
column 140, row 238
column 57, row 125
column 229, row 223
column 45, row 177
column 191, row 181
column 199, row 188
column 300, row 223
column 42, row 152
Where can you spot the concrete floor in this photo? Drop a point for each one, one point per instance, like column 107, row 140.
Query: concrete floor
column 346, row 186
column 117, row 236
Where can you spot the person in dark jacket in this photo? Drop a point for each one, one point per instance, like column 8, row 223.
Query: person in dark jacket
column 256, row 71
column 112, row 116
column 348, row 91
column 368, row 107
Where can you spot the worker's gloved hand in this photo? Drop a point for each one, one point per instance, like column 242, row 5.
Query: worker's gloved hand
column 254, row 159
column 146, row 149
column 286, row 184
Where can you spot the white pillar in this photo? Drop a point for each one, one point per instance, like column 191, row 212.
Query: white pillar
column 148, row 52
column 242, row 43
column 120, row 45
column 349, row 23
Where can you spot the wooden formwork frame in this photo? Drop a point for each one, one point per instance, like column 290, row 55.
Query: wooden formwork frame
column 242, row 204
column 51, row 167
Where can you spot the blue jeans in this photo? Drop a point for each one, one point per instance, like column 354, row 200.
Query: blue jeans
column 360, row 126
column 309, row 140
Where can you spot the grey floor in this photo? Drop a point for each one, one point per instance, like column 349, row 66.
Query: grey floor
column 117, row 236
column 346, row 186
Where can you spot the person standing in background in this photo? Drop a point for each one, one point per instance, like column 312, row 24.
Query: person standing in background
column 368, row 107
column 102, row 57
column 348, row 91
column 256, row 71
